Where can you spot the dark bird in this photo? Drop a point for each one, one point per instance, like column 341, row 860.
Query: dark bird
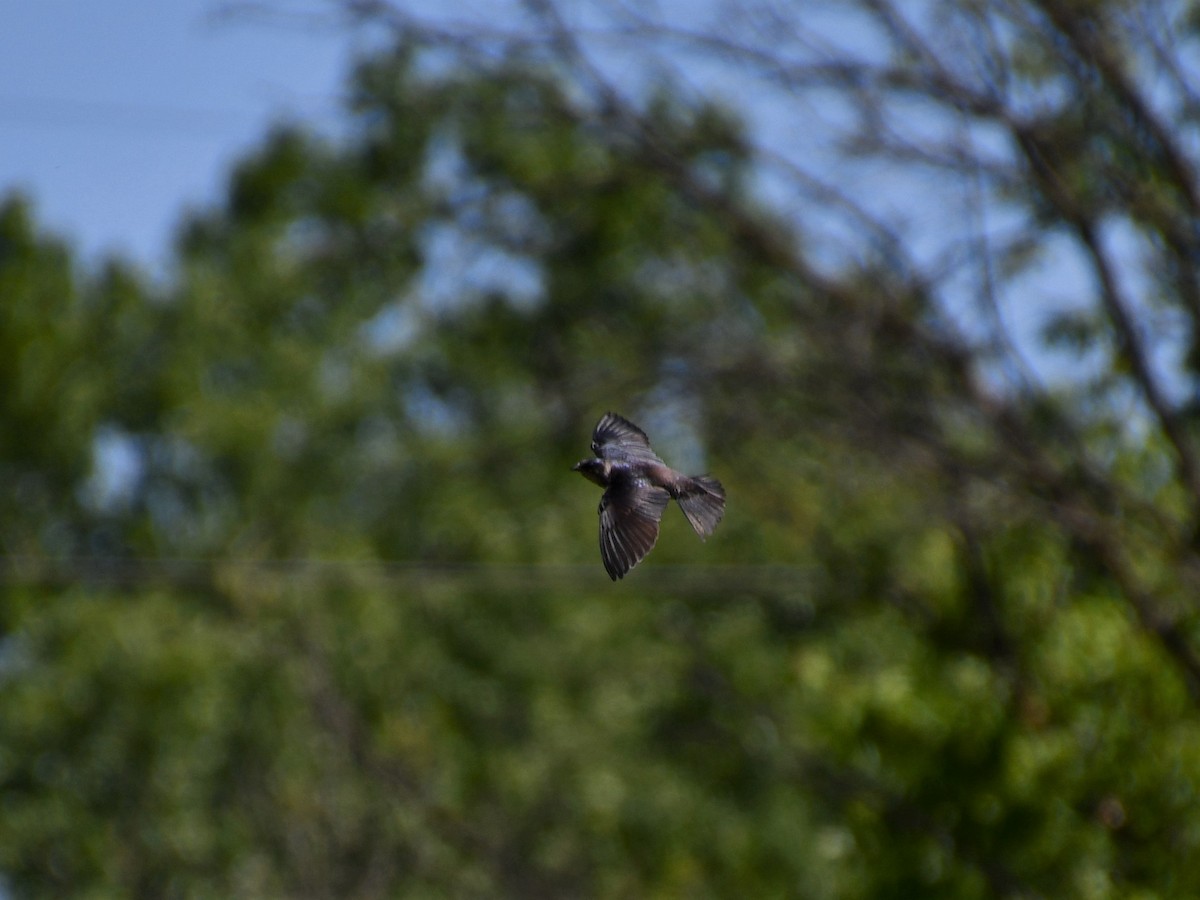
column 637, row 485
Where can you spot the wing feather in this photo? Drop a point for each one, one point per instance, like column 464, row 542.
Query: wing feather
column 615, row 437
column 630, row 511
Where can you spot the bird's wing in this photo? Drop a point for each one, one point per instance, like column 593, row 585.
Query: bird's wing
column 630, row 511
column 615, row 437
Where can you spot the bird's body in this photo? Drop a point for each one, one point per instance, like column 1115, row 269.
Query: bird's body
column 638, row 485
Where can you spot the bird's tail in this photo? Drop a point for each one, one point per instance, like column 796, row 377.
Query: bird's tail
column 702, row 500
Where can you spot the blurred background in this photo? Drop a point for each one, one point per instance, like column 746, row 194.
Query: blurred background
column 308, row 306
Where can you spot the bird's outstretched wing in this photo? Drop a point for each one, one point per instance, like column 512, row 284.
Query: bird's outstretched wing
column 630, row 511
column 615, row 437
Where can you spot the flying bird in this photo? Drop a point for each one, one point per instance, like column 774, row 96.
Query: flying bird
column 637, row 486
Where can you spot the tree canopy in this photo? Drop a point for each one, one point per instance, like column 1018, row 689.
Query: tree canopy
column 300, row 597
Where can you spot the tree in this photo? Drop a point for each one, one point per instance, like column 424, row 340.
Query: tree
column 943, row 644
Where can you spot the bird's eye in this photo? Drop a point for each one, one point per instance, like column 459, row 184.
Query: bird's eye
column 595, row 447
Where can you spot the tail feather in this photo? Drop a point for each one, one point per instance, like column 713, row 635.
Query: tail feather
column 702, row 500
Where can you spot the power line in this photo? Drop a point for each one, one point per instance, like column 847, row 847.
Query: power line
column 112, row 571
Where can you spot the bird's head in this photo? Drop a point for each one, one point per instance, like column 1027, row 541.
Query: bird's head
column 594, row 470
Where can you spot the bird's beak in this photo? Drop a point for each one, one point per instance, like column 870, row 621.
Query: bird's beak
column 576, row 467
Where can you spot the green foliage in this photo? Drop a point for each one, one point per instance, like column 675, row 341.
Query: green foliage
column 879, row 679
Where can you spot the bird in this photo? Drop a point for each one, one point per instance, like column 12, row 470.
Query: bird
column 637, row 488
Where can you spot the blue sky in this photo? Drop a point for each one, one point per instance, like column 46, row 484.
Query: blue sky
column 115, row 116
